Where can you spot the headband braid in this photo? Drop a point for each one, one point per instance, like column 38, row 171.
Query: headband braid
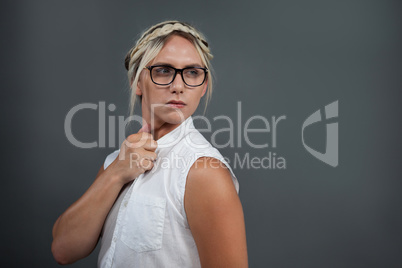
column 160, row 30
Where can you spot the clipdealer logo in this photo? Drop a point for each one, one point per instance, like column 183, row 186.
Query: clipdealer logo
column 233, row 135
column 330, row 156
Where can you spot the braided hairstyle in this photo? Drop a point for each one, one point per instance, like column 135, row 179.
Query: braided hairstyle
column 151, row 43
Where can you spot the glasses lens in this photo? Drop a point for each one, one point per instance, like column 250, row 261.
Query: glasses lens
column 162, row 74
column 194, row 76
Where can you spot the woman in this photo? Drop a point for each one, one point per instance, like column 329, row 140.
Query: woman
column 167, row 198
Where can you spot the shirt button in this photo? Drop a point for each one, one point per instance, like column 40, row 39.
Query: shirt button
column 125, row 203
column 114, row 239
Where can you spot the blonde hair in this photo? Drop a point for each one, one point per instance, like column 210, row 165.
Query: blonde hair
column 150, row 44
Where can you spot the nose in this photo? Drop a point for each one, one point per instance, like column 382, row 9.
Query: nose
column 177, row 86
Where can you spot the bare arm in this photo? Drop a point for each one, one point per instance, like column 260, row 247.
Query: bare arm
column 215, row 215
column 76, row 232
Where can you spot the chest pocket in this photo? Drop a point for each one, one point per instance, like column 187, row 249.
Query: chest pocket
column 143, row 223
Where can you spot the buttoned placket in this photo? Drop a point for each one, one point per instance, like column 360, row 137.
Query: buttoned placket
column 123, row 207
column 119, row 223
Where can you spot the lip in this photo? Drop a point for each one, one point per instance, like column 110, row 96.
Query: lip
column 176, row 104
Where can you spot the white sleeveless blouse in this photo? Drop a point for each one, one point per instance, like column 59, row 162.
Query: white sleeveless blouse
column 147, row 226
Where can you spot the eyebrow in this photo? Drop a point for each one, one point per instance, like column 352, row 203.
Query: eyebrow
column 170, row 65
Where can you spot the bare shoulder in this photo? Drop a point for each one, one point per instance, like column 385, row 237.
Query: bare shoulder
column 209, row 191
column 215, row 214
column 211, row 175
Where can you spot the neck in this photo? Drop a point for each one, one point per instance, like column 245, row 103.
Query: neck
column 159, row 128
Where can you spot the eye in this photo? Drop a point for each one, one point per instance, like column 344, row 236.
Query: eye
column 192, row 72
column 163, row 70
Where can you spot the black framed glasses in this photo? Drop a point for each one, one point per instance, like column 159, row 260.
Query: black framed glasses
column 164, row 75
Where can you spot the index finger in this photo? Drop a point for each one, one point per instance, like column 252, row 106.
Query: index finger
column 145, row 128
column 150, row 145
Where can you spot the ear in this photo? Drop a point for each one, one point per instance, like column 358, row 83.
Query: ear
column 204, row 90
column 138, row 90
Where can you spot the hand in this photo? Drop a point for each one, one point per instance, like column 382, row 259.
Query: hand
column 137, row 155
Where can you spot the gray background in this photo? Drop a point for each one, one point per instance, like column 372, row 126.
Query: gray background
column 276, row 57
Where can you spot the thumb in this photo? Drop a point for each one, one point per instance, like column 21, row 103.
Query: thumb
column 145, row 128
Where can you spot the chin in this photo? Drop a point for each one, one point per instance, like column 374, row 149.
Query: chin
column 174, row 117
